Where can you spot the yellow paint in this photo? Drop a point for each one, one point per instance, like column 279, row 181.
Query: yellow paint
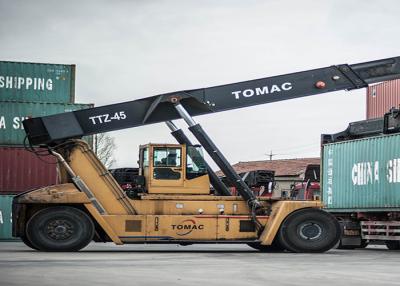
column 181, row 227
column 64, row 193
column 200, row 185
column 280, row 210
column 109, row 230
column 88, row 167
column 180, row 210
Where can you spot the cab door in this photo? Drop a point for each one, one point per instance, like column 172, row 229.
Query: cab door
column 167, row 169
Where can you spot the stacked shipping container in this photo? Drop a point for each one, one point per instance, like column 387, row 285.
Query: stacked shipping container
column 13, row 113
column 381, row 97
column 362, row 175
column 28, row 90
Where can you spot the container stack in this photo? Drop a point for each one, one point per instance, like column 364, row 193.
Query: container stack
column 382, row 97
column 29, row 90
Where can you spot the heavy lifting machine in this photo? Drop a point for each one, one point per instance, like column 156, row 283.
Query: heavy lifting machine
column 171, row 201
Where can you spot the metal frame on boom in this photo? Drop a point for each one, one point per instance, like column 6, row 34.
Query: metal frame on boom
column 218, row 157
column 181, row 138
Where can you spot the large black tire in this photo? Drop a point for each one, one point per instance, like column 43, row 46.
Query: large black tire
column 392, row 244
column 309, row 230
column 364, row 243
column 274, row 247
column 27, row 242
column 60, row 228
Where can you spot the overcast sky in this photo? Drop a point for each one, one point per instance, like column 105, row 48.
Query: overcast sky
column 125, row 50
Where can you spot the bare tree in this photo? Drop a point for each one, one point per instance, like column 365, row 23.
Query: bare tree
column 104, row 146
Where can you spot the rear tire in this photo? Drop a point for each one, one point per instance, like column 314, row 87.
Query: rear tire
column 60, row 228
column 309, row 230
column 392, row 244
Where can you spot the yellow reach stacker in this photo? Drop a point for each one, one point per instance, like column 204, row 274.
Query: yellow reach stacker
column 171, row 201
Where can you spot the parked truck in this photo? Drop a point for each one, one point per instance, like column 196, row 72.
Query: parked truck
column 361, row 181
column 171, row 201
column 357, row 182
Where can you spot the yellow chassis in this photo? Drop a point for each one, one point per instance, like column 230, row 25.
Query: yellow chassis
column 174, row 217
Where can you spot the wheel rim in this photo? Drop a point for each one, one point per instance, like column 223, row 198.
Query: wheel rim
column 310, row 231
column 59, row 229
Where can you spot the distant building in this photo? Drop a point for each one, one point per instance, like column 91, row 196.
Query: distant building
column 287, row 171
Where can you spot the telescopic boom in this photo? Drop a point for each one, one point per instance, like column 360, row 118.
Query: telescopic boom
column 160, row 108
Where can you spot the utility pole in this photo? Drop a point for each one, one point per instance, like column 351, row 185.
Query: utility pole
column 270, row 155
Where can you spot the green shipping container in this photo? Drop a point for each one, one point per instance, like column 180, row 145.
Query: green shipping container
column 362, row 175
column 35, row 82
column 13, row 113
column 6, row 217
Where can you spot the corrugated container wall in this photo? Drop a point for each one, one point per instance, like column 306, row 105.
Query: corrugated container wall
column 381, row 97
column 6, row 217
column 21, row 170
column 35, row 82
column 362, row 175
column 13, row 113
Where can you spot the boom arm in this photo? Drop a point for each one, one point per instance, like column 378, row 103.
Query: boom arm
column 57, row 128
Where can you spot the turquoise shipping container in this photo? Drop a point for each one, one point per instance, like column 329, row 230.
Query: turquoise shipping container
column 6, row 217
column 362, row 175
column 13, row 113
column 36, row 82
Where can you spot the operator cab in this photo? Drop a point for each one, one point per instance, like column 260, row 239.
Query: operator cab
column 173, row 169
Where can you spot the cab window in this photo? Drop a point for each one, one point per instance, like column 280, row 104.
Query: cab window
column 167, row 157
column 195, row 164
column 165, row 162
column 145, row 157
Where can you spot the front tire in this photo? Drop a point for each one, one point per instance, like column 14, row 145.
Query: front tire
column 26, row 241
column 60, row 228
column 309, row 230
column 392, row 244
